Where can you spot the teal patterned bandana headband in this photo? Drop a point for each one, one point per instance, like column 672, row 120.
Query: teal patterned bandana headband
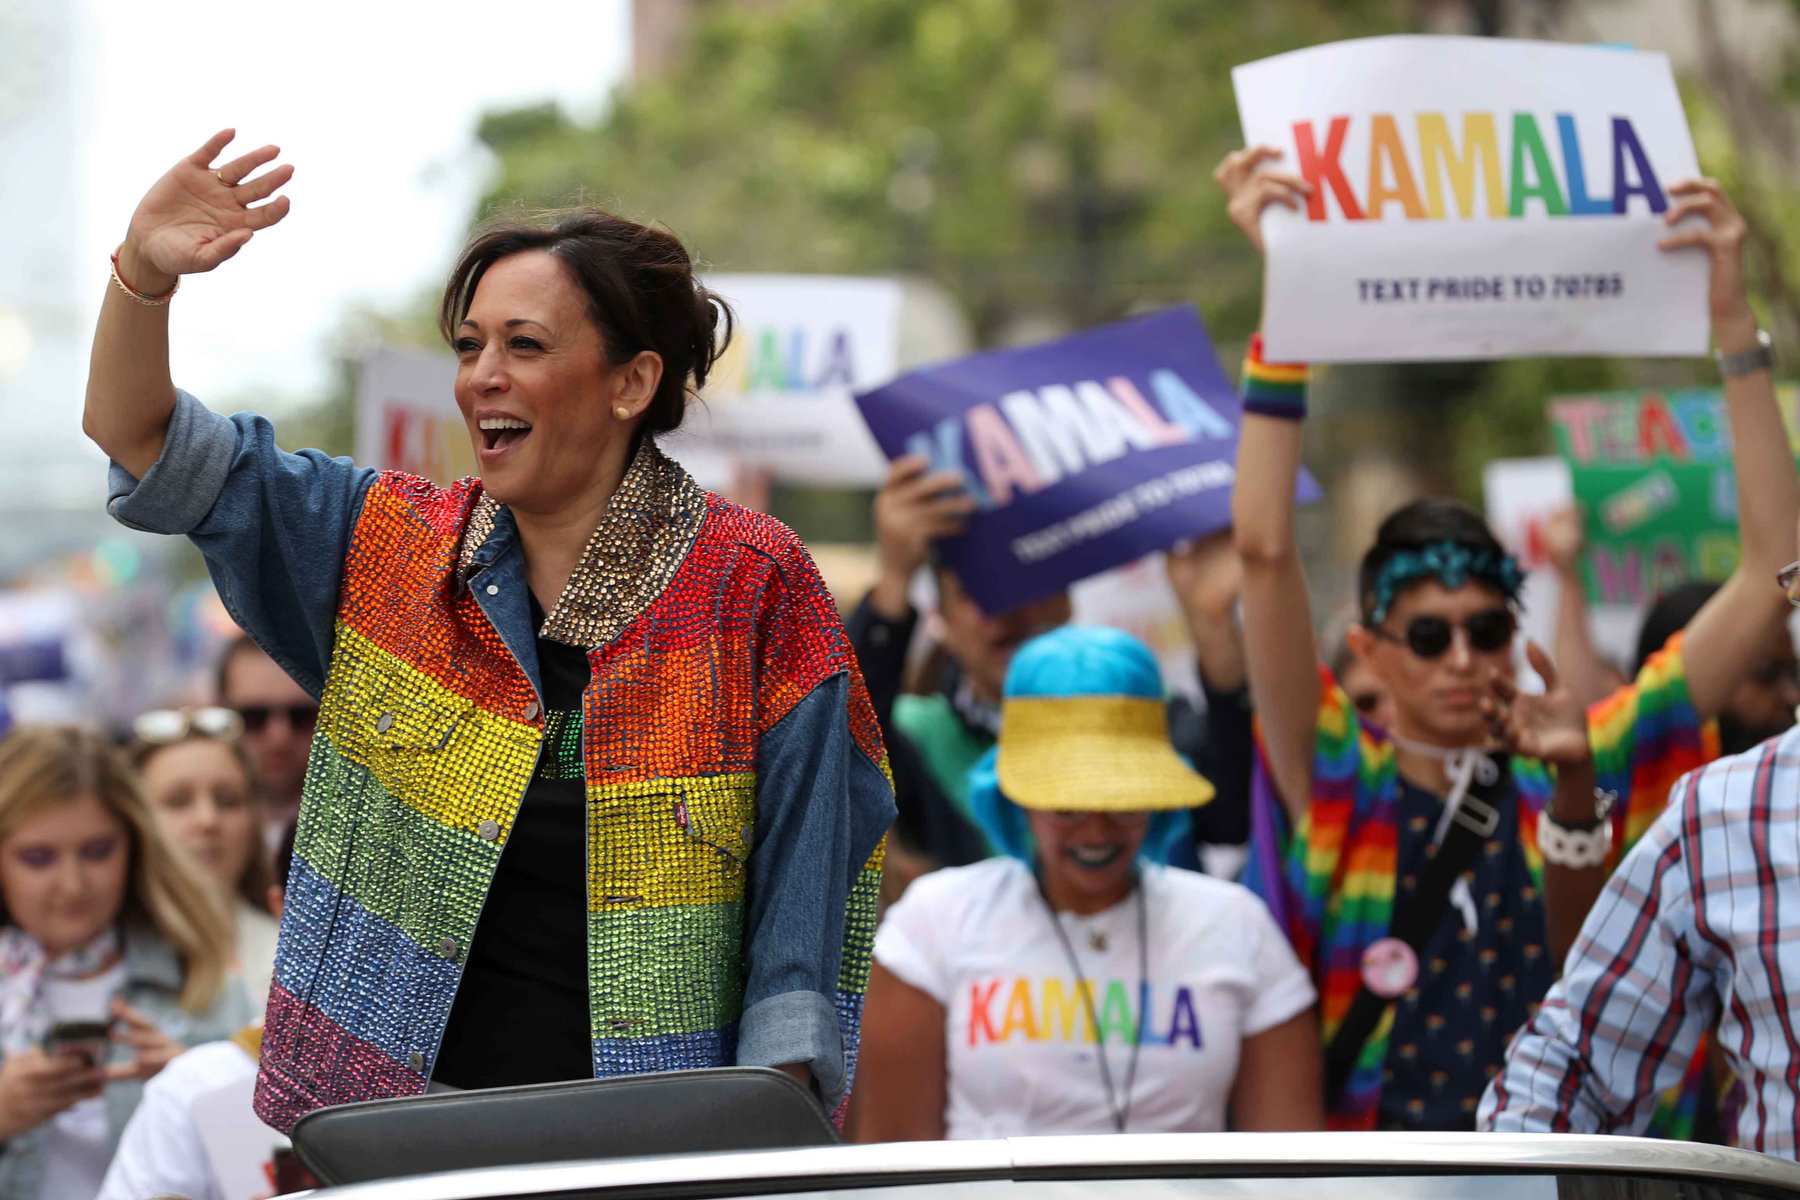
column 1451, row 564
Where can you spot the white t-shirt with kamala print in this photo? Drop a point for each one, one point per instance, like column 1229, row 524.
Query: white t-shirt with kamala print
column 1020, row 1046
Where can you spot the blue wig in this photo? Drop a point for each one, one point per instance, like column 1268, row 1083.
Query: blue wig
column 1075, row 660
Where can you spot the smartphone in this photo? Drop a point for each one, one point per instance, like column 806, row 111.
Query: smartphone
column 90, row 1039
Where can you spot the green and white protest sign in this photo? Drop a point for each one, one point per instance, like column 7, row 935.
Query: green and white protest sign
column 1653, row 473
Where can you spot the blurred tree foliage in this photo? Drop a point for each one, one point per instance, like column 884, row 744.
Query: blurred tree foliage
column 1049, row 162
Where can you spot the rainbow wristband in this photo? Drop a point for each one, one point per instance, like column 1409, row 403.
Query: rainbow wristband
column 1273, row 389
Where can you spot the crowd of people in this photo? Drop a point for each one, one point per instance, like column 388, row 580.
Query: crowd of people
column 573, row 770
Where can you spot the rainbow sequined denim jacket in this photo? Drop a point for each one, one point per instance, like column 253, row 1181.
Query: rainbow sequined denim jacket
column 724, row 701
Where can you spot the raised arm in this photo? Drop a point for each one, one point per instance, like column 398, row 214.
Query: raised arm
column 1589, row 675
column 1726, row 637
column 194, row 218
column 1279, row 647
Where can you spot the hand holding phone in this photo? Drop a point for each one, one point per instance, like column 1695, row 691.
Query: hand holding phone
column 91, row 1040
column 35, row 1086
column 151, row 1048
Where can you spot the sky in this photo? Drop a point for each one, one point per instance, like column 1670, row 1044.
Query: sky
column 375, row 102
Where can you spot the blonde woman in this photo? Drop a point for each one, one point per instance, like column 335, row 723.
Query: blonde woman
column 196, row 778
column 99, row 924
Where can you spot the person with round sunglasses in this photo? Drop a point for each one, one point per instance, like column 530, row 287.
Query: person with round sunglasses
column 196, row 779
column 1072, row 984
column 1427, row 973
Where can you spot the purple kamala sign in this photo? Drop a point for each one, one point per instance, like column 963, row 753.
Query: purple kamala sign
column 1084, row 453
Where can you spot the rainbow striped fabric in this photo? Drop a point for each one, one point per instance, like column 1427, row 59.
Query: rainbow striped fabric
column 1273, row 389
column 1338, row 868
column 706, row 624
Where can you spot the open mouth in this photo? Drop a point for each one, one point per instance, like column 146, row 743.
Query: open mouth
column 502, row 433
column 1095, row 858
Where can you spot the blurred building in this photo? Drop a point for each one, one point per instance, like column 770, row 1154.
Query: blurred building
column 48, row 464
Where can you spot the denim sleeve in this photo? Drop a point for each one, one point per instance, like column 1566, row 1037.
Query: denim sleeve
column 274, row 526
column 822, row 808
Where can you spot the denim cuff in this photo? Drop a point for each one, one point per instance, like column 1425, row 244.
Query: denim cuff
column 184, row 483
column 795, row 1027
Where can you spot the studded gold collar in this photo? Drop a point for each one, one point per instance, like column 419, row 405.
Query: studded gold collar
column 645, row 533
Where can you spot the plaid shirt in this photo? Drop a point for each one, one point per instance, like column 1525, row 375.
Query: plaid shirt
column 1701, row 923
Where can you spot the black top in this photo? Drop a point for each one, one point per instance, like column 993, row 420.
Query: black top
column 521, row 1011
column 1475, row 988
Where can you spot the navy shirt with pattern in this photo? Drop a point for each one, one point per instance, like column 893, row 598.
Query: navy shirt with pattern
column 521, row 1011
column 1475, row 989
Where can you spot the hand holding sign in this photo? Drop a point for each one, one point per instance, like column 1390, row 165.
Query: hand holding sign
column 914, row 508
column 1076, row 456
column 1727, row 296
column 1470, row 198
column 1251, row 190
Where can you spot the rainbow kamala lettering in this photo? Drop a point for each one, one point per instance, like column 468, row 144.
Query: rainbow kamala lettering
column 1054, row 1010
column 1482, row 182
column 1032, row 438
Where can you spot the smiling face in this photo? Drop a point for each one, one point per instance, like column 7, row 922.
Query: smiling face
column 64, row 871
column 536, row 389
column 200, row 797
column 1088, row 859
column 1437, row 700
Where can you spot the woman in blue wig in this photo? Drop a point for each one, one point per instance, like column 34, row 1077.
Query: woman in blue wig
column 1072, row 985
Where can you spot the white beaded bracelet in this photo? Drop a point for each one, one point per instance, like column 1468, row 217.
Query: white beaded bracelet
column 1576, row 849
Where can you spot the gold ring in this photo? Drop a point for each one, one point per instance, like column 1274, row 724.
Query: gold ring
column 220, row 176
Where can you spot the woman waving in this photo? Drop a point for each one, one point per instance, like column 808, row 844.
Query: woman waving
column 596, row 788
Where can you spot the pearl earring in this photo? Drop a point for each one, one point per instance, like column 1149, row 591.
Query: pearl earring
column 621, row 412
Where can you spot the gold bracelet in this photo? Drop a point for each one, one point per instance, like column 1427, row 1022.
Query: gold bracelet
column 141, row 297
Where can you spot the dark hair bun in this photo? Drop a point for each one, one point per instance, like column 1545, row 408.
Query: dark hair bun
column 641, row 291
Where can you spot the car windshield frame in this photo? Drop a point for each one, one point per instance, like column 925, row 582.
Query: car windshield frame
column 1172, row 1156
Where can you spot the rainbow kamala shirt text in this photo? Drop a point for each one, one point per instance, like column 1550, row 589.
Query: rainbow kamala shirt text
column 737, row 791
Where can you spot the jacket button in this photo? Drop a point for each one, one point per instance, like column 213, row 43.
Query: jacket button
column 493, row 589
column 488, row 830
column 384, row 722
column 531, row 710
column 448, row 947
column 416, row 1061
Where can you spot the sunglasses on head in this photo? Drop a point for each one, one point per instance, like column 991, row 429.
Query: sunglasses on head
column 301, row 717
column 1488, row 631
column 163, row 726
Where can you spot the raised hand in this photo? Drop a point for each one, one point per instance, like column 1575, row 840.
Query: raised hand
column 197, row 215
column 34, row 1087
column 1207, row 575
column 1249, row 190
column 1551, row 727
column 1723, row 236
column 152, row 1049
column 915, row 507
column 1565, row 537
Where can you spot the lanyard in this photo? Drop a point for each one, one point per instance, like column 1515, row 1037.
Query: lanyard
column 1120, row 1113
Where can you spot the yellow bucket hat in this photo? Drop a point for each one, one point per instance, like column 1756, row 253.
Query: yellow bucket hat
column 1093, row 754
